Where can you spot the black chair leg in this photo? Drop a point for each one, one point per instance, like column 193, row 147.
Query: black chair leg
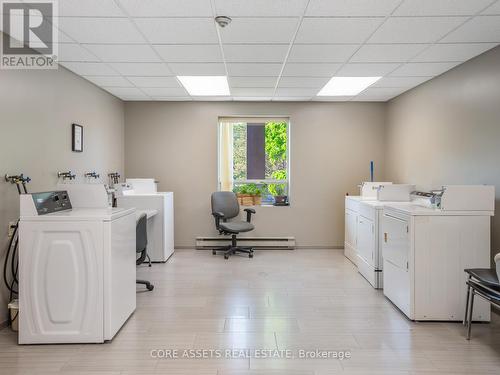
column 149, row 286
column 471, row 309
column 467, row 304
column 222, row 248
column 233, row 249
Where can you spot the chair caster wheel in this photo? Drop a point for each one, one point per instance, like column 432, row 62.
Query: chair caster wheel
column 214, row 252
column 150, row 287
column 250, row 255
column 226, row 256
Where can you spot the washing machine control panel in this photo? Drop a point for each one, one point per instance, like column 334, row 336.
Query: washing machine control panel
column 51, row 201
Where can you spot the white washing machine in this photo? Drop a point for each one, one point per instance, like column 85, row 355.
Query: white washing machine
column 76, row 270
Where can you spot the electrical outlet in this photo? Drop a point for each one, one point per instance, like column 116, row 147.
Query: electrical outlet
column 12, row 226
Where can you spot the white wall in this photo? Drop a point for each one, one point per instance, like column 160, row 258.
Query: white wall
column 37, row 109
column 331, row 147
column 447, row 131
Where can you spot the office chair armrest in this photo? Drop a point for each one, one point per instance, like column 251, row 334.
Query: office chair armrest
column 249, row 212
column 218, row 216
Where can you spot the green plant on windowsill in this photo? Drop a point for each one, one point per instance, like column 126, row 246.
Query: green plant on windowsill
column 249, row 194
column 278, row 191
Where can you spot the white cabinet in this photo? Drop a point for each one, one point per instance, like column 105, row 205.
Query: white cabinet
column 160, row 226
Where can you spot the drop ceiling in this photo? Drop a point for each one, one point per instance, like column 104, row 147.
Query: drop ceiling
column 278, row 50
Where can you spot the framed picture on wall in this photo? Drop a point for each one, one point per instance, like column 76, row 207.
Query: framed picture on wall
column 77, row 138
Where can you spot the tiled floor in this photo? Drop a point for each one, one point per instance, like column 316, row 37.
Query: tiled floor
column 295, row 300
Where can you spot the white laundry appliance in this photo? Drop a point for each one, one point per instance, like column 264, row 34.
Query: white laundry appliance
column 142, row 195
column 76, row 270
column 363, row 240
column 368, row 191
column 427, row 244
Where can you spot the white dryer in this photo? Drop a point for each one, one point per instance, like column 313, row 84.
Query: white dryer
column 77, row 270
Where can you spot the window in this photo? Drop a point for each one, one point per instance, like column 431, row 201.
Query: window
column 254, row 157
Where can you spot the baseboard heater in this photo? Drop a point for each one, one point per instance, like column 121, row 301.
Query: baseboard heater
column 275, row 243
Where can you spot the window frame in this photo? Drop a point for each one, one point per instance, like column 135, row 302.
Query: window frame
column 264, row 119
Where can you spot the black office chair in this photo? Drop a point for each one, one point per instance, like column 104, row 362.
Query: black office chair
column 141, row 244
column 482, row 282
column 225, row 206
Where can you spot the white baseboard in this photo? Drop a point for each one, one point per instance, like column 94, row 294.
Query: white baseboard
column 286, row 243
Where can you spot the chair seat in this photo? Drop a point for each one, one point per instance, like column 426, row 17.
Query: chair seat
column 236, row 226
column 486, row 276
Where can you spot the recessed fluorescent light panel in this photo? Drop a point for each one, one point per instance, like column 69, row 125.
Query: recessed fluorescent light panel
column 205, row 85
column 347, row 86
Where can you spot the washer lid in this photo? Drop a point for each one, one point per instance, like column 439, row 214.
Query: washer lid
column 85, row 214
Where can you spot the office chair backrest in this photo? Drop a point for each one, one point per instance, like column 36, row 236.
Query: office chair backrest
column 141, row 239
column 226, row 203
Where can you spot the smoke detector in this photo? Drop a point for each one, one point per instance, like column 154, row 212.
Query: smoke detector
column 223, row 21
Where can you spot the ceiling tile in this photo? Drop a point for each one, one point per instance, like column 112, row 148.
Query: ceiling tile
column 371, row 98
column 124, row 52
column 123, row 92
column 255, row 53
column 252, row 91
column 441, row 7
column 387, row 82
column 212, row 98
column 109, row 81
column 366, row 69
column 165, row 91
column 423, row 69
column 291, row 98
column 252, row 81
column 494, row 9
column 252, row 98
column 242, row 8
column 387, row 52
column 415, row 30
column 154, row 81
column 304, row 82
column 384, row 91
column 63, row 38
column 478, row 29
column 336, row 30
column 379, row 94
column 172, row 99
column 89, row 8
column 198, row 69
column 310, row 70
column 189, row 52
column 169, row 8
column 288, row 91
column 321, row 52
column 259, row 70
column 453, row 52
column 259, row 30
column 100, row 30
column 178, row 30
column 331, row 98
column 142, row 69
column 341, row 8
column 90, row 68
column 74, row 52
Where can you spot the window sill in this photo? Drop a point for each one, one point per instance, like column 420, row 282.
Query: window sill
column 263, row 205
